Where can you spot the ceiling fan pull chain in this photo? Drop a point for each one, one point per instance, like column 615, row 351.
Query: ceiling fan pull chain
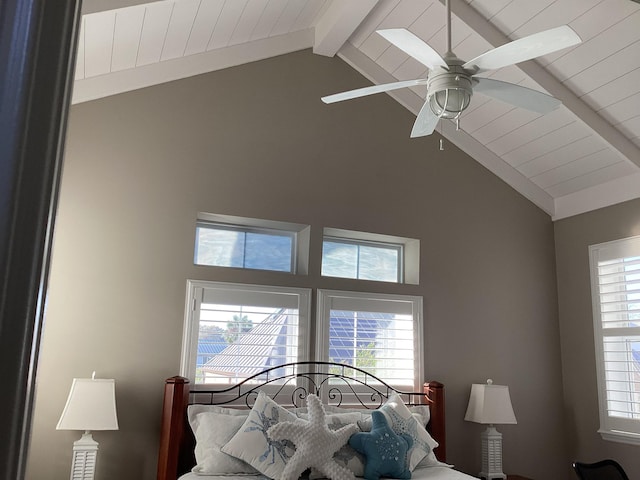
column 448, row 6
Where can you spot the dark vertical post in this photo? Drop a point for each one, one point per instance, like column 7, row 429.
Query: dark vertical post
column 37, row 53
column 172, row 430
column 435, row 391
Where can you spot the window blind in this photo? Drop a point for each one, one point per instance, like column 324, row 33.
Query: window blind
column 615, row 268
column 377, row 333
column 236, row 331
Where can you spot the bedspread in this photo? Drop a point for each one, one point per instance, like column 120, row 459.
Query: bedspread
column 428, row 473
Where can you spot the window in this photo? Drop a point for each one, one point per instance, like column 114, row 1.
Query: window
column 234, row 331
column 225, row 241
column 381, row 334
column 368, row 256
column 615, row 281
column 361, row 260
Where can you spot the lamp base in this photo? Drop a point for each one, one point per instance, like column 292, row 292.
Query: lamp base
column 85, row 453
column 491, row 454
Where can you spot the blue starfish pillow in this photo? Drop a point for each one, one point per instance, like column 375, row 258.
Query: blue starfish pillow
column 385, row 451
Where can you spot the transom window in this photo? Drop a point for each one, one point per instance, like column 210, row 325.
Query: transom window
column 615, row 277
column 361, row 260
column 242, row 247
column 369, row 256
column 238, row 242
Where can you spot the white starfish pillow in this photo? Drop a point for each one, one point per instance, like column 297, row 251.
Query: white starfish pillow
column 315, row 444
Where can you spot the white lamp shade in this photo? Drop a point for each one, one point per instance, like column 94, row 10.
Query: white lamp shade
column 91, row 406
column 490, row 404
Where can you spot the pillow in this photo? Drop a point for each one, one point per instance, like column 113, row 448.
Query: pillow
column 385, row 450
column 252, row 444
column 431, row 461
column 315, row 443
column 402, row 420
column 346, row 456
column 213, row 428
column 421, row 412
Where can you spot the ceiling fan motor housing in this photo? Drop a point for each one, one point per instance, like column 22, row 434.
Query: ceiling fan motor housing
column 449, row 91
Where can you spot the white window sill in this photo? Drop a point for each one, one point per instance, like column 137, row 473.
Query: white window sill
column 620, row 437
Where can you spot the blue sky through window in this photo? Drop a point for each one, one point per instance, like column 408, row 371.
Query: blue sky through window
column 226, row 247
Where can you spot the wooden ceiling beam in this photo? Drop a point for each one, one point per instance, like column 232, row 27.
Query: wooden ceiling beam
column 583, row 112
column 338, row 23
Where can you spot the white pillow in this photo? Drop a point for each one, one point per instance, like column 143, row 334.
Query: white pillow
column 212, row 427
column 347, row 456
column 316, row 443
column 252, row 444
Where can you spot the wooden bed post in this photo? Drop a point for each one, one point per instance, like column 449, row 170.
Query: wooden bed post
column 176, row 398
column 435, row 391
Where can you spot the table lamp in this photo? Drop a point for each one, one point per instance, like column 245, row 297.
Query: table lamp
column 91, row 405
column 490, row 405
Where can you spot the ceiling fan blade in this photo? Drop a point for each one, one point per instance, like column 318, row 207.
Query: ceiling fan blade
column 414, row 46
column 362, row 92
column 425, row 123
column 524, row 48
column 516, row 95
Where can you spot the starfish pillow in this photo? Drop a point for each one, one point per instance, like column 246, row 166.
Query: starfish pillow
column 315, row 444
column 385, row 450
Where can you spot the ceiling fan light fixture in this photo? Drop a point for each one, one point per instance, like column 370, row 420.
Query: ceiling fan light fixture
column 449, row 93
column 449, row 103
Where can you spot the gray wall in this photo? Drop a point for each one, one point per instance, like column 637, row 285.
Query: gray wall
column 573, row 237
column 256, row 141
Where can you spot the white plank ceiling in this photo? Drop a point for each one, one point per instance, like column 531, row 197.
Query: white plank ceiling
column 582, row 156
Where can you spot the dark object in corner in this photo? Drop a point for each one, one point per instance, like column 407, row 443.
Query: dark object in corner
column 602, row 470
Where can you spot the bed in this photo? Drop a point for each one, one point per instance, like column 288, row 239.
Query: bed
column 344, row 391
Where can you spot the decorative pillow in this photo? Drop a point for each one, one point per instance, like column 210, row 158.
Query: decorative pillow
column 402, row 420
column 252, row 444
column 213, row 428
column 386, row 451
column 315, row 443
column 346, row 455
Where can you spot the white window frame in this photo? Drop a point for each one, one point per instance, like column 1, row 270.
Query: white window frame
column 409, row 261
column 611, row 428
column 236, row 291
column 326, row 299
column 300, row 235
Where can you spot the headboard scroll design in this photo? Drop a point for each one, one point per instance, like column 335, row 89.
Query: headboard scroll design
column 290, row 384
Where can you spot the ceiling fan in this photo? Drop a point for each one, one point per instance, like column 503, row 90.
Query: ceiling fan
column 452, row 81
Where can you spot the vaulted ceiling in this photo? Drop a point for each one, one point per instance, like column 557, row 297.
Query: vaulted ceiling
column 583, row 156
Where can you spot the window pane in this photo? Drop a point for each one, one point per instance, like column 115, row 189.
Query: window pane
column 378, row 263
column 223, row 248
column 615, row 274
column 622, row 372
column 380, row 343
column 339, row 259
column 235, row 342
column 233, row 247
column 619, row 288
column 268, row 252
column 364, row 261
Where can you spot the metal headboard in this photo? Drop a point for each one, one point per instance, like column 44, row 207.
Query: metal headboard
column 336, row 384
